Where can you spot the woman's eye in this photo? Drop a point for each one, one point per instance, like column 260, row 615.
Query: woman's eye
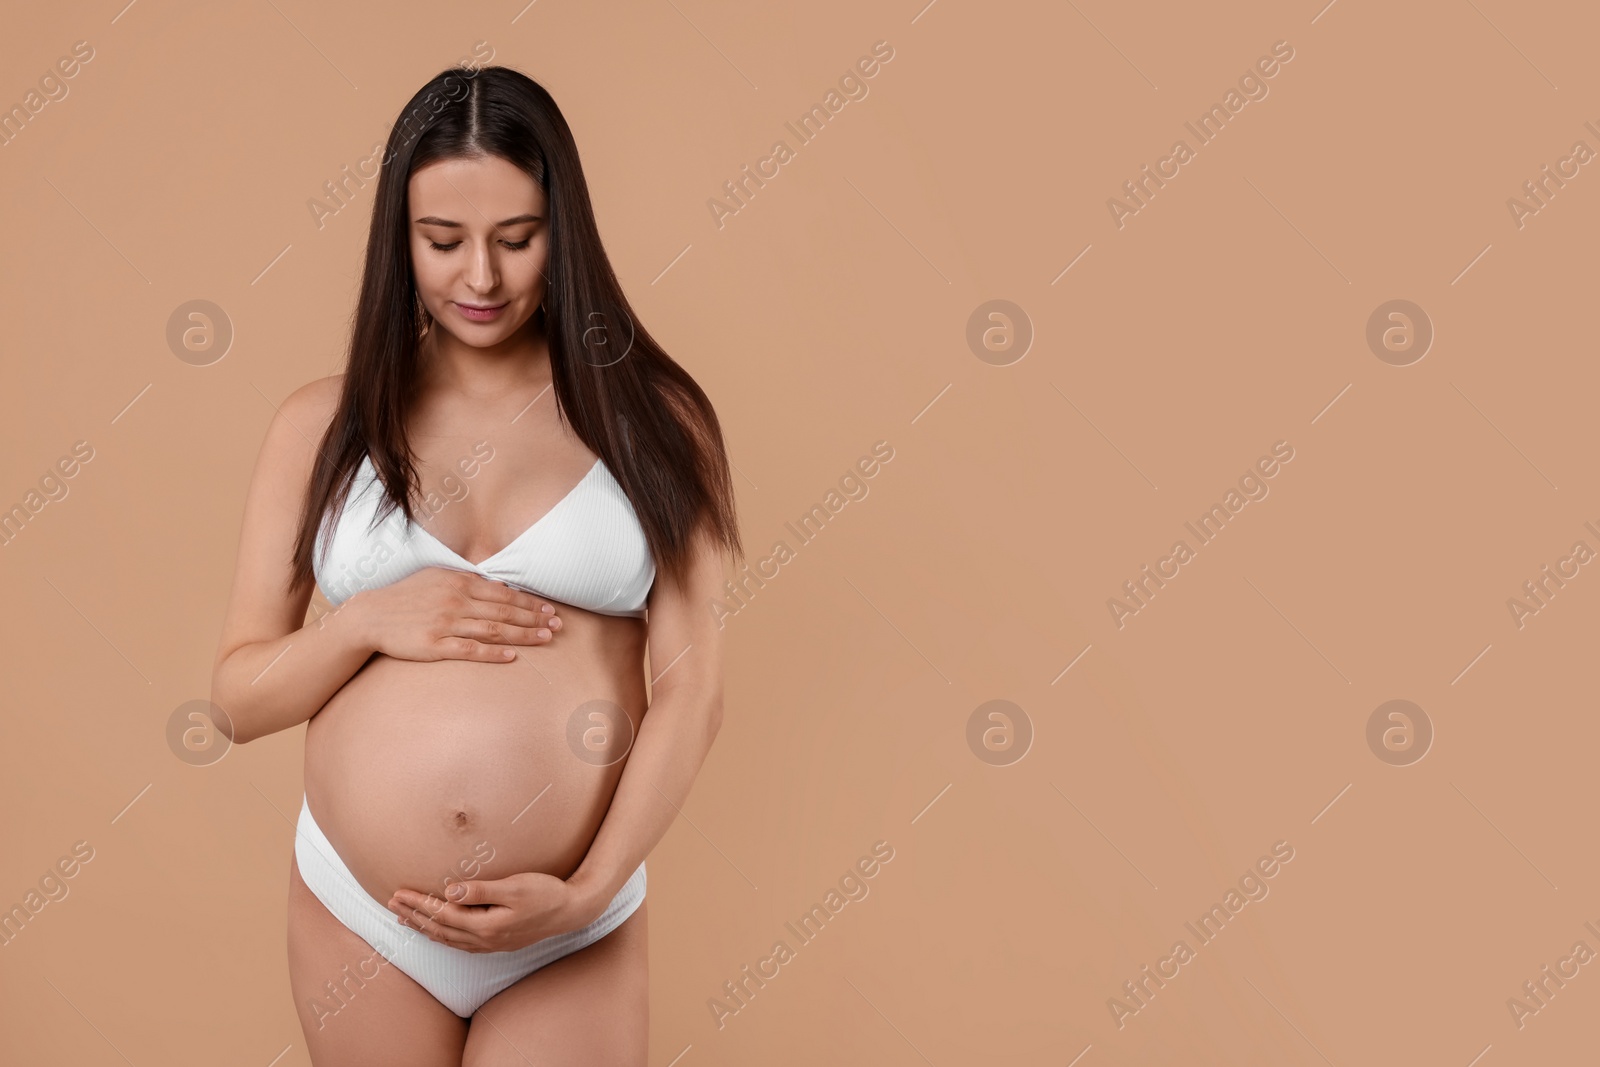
column 515, row 246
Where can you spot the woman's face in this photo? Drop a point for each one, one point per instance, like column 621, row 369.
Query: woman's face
column 480, row 243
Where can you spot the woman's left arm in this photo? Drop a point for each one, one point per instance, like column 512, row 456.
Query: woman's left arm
column 685, row 713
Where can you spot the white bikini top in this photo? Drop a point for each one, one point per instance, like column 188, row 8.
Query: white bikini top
column 588, row 550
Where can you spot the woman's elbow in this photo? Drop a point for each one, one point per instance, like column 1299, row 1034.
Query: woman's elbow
column 225, row 715
column 713, row 717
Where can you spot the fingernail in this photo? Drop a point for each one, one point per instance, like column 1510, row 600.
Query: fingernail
column 456, row 891
column 544, row 633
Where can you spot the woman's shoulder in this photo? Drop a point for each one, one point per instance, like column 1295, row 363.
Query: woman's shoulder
column 311, row 407
column 298, row 426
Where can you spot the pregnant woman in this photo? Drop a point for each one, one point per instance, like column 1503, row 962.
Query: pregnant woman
column 510, row 497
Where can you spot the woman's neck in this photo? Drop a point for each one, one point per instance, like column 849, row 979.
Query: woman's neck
column 450, row 366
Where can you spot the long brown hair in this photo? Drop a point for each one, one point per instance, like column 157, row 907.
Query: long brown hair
column 642, row 413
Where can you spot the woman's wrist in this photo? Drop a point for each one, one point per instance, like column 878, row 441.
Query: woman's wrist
column 591, row 892
column 354, row 618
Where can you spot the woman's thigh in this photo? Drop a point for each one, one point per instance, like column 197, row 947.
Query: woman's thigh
column 588, row 1009
column 355, row 1007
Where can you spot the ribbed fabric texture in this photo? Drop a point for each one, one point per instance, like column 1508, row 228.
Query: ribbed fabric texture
column 460, row 980
column 588, row 550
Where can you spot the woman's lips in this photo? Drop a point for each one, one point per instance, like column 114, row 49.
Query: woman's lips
column 480, row 314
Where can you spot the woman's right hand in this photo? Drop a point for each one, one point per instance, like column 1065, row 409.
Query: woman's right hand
column 441, row 613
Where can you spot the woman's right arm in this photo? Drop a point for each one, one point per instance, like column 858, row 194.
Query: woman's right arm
column 272, row 672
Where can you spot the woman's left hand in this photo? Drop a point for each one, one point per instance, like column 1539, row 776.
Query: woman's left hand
column 498, row 915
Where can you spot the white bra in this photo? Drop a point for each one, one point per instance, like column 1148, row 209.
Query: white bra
column 588, row 550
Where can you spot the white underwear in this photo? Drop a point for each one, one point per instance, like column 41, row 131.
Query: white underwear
column 460, row 980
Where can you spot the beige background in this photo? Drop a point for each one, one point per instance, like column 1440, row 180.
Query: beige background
column 1228, row 314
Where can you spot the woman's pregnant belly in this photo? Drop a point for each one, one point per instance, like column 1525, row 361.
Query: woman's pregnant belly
column 424, row 773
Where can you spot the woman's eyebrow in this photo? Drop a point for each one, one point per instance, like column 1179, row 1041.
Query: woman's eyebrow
column 434, row 220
